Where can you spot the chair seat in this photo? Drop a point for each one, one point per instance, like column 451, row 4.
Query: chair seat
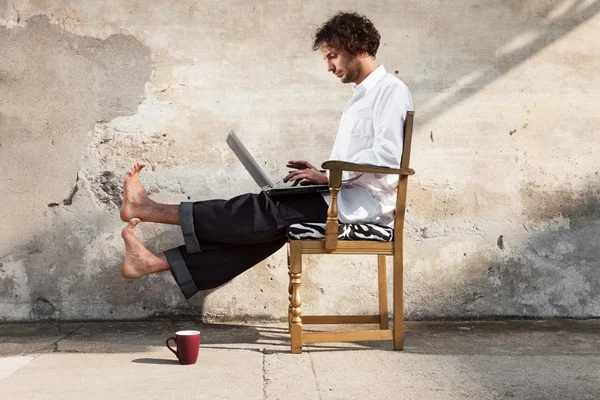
column 316, row 231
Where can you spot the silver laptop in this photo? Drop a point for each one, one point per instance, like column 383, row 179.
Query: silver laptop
column 261, row 179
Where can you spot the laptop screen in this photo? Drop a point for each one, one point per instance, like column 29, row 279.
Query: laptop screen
column 257, row 173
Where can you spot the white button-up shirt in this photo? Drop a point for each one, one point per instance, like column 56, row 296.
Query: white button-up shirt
column 371, row 132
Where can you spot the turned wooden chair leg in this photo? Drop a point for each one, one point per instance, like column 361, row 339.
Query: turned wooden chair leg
column 296, row 299
column 382, row 285
column 289, row 290
column 290, row 301
column 398, row 310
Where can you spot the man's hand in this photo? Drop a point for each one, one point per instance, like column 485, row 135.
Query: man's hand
column 305, row 174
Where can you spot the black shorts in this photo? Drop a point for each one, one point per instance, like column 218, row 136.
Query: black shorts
column 224, row 238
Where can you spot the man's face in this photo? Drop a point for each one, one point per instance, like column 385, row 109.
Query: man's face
column 342, row 64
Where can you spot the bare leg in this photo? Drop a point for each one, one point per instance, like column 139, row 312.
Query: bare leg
column 139, row 261
column 137, row 204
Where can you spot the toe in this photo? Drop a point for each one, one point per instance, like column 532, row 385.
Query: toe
column 133, row 222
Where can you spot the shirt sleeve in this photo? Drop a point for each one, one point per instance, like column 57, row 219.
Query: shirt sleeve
column 388, row 124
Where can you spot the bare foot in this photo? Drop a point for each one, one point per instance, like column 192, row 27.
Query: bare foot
column 134, row 195
column 139, row 261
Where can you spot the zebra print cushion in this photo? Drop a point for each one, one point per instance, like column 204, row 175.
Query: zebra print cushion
column 316, row 231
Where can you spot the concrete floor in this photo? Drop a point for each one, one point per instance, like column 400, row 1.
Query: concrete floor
column 558, row 359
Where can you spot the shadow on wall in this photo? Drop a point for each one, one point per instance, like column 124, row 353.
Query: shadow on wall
column 547, row 267
column 558, row 21
column 549, row 270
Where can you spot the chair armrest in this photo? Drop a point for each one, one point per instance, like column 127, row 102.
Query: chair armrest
column 335, row 184
column 348, row 166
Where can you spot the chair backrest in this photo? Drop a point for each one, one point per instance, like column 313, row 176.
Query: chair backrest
column 408, row 129
column 403, row 182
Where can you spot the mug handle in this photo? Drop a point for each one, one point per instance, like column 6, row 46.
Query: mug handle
column 173, row 338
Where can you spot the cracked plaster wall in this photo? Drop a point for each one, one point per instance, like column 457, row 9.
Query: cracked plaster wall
column 503, row 216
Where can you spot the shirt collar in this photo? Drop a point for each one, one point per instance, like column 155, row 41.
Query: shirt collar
column 371, row 80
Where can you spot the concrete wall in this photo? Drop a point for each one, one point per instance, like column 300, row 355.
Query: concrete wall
column 504, row 212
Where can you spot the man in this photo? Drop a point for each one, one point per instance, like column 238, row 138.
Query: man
column 225, row 238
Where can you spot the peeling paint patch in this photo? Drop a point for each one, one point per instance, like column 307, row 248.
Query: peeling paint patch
column 43, row 307
column 500, row 242
column 111, row 186
column 55, row 86
column 69, row 200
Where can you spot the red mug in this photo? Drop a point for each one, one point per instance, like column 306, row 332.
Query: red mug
column 188, row 345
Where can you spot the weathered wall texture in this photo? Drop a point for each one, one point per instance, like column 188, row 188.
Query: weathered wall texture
column 504, row 212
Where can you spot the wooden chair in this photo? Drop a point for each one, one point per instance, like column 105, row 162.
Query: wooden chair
column 331, row 245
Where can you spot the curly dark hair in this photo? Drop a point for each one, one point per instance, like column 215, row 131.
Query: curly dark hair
column 349, row 31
